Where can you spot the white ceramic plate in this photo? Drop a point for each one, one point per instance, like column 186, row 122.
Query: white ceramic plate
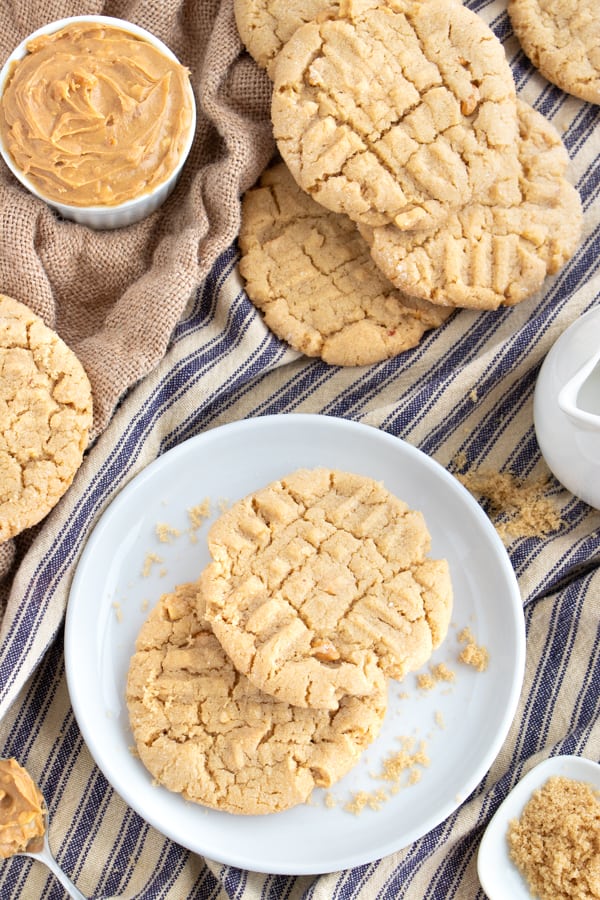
column 463, row 724
column 499, row 877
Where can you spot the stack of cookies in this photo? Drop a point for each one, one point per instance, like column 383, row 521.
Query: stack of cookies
column 268, row 676
column 413, row 182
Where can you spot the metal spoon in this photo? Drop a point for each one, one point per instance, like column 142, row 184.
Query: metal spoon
column 39, row 848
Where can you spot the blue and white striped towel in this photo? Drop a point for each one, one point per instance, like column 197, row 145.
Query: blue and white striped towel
column 465, row 393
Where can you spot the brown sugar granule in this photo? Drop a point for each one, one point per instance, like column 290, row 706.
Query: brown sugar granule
column 556, row 842
column 519, row 508
column 472, row 654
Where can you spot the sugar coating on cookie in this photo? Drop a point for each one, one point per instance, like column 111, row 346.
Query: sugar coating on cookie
column 496, row 251
column 45, row 416
column 562, row 40
column 266, row 25
column 321, row 586
column 395, row 112
column 204, row 731
column 311, row 274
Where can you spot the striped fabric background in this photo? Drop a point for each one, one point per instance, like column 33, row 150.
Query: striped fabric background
column 464, row 396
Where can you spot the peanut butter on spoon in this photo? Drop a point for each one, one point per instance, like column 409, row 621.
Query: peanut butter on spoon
column 94, row 115
column 22, row 809
column 24, row 822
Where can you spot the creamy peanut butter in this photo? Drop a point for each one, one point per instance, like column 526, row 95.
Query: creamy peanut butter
column 95, row 115
column 22, row 809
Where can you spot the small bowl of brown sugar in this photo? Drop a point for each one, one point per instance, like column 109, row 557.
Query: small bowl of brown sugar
column 544, row 839
column 97, row 118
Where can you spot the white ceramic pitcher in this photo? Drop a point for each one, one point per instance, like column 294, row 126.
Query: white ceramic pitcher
column 567, row 408
column 580, row 397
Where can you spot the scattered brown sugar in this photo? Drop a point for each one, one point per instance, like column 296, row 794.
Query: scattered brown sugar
column 518, row 508
column 556, row 842
column 472, row 654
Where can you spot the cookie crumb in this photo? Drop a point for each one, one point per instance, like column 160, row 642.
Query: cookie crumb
column 118, row 611
column 150, row 560
column 398, row 763
column 362, row 799
column 199, row 513
column 165, row 533
column 472, row 654
column 440, row 672
column 425, row 681
column 555, row 843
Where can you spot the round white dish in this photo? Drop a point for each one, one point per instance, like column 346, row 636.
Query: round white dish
column 499, row 877
column 463, row 724
column 100, row 217
column 571, row 449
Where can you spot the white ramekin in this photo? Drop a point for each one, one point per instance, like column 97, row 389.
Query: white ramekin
column 122, row 214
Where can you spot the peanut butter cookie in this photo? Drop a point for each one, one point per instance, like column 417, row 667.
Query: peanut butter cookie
column 204, row 731
column 266, row 25
column 395, row 112
column 311, row 274
column 45, row 416
column 494, row 252
column 562, row 39
column 320, row 586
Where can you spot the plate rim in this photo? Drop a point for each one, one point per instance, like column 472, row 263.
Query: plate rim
column 337, row 423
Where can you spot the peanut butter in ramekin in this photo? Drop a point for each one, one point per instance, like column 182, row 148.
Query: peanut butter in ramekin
column 95, row 115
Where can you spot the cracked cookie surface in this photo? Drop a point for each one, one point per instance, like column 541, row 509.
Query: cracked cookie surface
column 203, row 730
column 45, row 416
column 496, row 251
column 266, row 25
column 311, row 274
column 321, row 587
column 562, row 40
column 395, row 112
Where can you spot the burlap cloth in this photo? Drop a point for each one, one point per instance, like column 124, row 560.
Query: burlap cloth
column 173, row 347
column 115, row 296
